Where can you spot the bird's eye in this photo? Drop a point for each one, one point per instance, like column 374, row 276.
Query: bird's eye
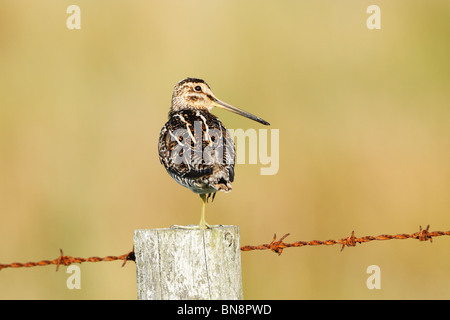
column 198, row 88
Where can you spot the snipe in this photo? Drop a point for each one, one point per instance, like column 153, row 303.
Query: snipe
column 194, row 146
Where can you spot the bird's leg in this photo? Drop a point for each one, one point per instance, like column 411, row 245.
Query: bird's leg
column 202, row 224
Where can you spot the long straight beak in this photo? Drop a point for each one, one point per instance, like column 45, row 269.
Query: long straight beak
column 226, row 106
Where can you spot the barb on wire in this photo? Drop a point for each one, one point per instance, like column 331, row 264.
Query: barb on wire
column 350, row 241
column 68, row 260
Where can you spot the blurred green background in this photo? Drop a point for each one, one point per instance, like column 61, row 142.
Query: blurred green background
column 364, row 122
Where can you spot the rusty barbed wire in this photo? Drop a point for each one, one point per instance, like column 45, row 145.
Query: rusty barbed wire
column 276, row 246
column 350, row 241
column 68, row 260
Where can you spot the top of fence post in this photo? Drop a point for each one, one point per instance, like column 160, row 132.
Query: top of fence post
column 188, row 264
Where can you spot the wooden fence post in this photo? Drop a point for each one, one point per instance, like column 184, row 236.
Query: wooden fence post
column 188, row 264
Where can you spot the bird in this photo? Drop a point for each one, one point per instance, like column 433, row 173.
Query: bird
column 194, row 146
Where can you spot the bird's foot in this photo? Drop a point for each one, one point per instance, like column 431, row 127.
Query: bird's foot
column 214, row 226
column 188, row 227
column 196, row 226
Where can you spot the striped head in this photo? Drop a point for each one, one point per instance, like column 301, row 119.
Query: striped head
column 195, row 94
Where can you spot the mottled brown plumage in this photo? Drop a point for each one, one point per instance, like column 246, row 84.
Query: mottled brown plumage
column 202, row 172
column 194, row 146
